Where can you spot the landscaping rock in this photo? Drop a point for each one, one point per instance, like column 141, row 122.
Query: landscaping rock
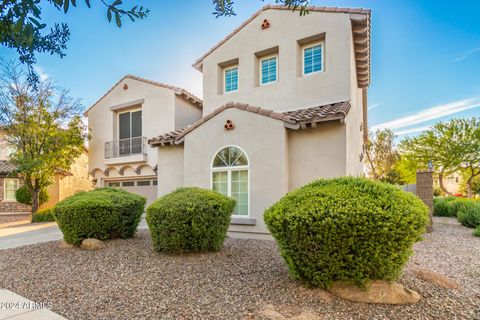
column 436, row 279
column 64, row 245
column 92, row 244
column 377, row 291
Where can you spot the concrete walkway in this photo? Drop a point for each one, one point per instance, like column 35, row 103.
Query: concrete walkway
column 28, row 234
column 15, row 307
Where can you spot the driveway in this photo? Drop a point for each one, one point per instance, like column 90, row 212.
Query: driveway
column 22, row 234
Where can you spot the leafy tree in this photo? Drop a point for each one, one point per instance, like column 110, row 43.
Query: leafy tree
column 381, row 157
column 451, row 146
column 22, row 29
column 225, row 7
column 42, row 125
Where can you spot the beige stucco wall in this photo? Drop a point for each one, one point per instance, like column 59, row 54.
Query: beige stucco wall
column 316, row 153
column 162, row 111
column 292, row 91
column 158, row 116
column 170, row 169
column 354, row 125
column 4, row 152
column 263, row 139
column 185, row 113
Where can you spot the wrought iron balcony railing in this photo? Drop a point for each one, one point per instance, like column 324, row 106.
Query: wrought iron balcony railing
column 125, row 147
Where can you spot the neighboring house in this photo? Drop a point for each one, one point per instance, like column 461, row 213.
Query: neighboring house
column 68, row 183
column 300, row 86
column 65, row 183
column 119, row 124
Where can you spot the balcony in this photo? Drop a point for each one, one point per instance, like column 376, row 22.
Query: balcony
column 126, row 150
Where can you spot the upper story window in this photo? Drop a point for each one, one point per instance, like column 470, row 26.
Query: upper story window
column 130, row 132
column 231, row 79
column 11, row 186
column 269, row 70
column 230, row 177
column 313, row 58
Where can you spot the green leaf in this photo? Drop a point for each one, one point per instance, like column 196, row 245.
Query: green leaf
column 88, row 3
column 109, row 15
column 66, row 3
column 118, row 20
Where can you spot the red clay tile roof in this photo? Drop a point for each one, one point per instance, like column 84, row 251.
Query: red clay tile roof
column 298, row 119
column 178, row 91
column 361, row 36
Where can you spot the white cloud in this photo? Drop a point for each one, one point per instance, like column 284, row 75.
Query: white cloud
column 375, row 105
column 432, row 113
column 41, row 73
column 413, row 130
column 466, row 54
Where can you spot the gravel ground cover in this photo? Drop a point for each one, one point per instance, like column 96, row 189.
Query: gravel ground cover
column 246, row 280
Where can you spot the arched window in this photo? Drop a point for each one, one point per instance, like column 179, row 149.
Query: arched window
column 230, row 177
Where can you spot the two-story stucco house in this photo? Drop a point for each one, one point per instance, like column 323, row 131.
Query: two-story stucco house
column 119, row 124
column 284, row 103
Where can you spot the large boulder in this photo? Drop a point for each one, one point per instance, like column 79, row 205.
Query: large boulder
column 378, row 291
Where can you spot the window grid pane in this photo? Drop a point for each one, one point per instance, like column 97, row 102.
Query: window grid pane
column 312, row 58
column 11, row 187
column 231, row 80
column 269, row 70
column 239, row 191
column 220, row 182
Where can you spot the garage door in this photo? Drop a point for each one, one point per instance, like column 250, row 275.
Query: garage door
column 144, row 187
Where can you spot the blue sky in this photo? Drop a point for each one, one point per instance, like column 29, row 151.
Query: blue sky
column 425, row 53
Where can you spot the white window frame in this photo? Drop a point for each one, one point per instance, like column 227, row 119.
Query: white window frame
column 5, row 189
column 308, row 46
column 260, row 69
column 225, row 78
column 229, row 177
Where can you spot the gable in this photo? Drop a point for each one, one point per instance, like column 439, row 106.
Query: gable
column 358, row 26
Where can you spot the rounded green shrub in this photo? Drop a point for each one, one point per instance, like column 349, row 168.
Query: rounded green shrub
column 189, row 219
column 469, row 216
column 349, row 229
column 102, row 214
column 24, row 196
column 476, row 233
column 45, row 215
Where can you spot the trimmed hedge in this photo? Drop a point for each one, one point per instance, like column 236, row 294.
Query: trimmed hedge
column 189, row 219
column 469, row 216
column 45, row 215
column 442, row 207
column 24, row 196
column 349, row 229
column 102, row 214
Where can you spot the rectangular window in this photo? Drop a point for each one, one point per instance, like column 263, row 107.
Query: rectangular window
column 231, row 79
column 233, row 184
column 128, row 183
column 11, row 186
column 155, row 182
column 313, row 59
column 268, row 70
column 239, row 191
column 143, row 183
column 113, row 184
column 130, row 132
column 220, row 182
